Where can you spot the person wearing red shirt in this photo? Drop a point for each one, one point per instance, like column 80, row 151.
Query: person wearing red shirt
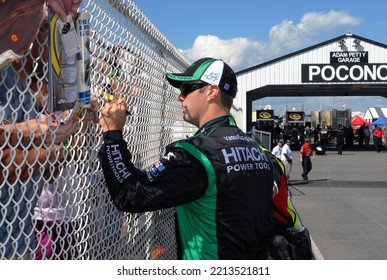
column 378, row 138
column 306, row 152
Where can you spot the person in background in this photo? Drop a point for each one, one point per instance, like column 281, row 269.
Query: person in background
column 340, row 141
column 307, row 132
column 56, row 206
column 277, row 133
column 349, row 137
column 223, row 211
column 287, row 158
column 378, row 138
column 316, row 133
column 367, row 136
column 22, row 178
column 306, row 156
column 295, row 135
column 277, row 150
column 21, row 21
column 323, row 138
column 360, row 133
column 22, row 123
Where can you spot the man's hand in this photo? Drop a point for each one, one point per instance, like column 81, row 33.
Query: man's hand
column 61, row 132
column 113, row 115
column 52, row 132
column 91, row 113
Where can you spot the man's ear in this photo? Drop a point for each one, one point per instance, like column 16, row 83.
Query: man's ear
column 213, row 92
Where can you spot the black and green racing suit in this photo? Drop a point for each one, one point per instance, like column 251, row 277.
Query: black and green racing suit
column 219, row 180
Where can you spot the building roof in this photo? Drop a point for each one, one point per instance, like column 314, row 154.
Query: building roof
column 334, row 40
column 374, row 113
column 325, row 69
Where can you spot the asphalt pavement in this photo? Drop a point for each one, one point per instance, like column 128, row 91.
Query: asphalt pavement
column 344, row 205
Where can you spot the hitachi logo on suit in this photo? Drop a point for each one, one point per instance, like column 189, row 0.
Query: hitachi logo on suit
column 243, row 154
column 115, row 161
column 245, row 158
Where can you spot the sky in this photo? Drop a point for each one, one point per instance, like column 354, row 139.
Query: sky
column 245, row 33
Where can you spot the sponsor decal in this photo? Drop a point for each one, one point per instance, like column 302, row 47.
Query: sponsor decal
column 160, row 166
column 238, row 137
column 155, row 170
column 212, row 77
column 116, row 163
column 245, row 158
column 265, row 115
column 150, row 178
column 295, row 116
column 213, row 73
column 168, row 156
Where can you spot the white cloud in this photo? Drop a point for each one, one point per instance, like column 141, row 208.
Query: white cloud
column 237, row 52
column 315, row 22
column 285, row 37
column 290, row 36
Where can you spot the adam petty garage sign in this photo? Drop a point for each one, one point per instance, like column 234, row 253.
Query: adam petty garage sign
column 350, row 66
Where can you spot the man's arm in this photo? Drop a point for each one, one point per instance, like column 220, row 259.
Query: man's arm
column 40, row 131
column 22, row 164
column 285, row 153
column 176, row 179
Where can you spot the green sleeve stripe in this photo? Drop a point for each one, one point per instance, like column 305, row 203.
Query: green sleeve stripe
column 197, row 219
column 211, row 175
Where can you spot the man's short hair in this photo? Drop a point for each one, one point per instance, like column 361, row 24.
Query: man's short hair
column 227, row 100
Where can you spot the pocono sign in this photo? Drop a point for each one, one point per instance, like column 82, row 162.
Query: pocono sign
column 345, row 67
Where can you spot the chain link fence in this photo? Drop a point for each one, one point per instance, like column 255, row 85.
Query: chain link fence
column 53, row 199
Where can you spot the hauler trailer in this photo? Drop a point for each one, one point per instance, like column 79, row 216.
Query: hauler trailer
column 332, row 119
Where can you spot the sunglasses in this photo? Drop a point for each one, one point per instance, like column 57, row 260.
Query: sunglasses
column 186, row 89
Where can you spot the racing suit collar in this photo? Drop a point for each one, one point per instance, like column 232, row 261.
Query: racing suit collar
column 223, row 120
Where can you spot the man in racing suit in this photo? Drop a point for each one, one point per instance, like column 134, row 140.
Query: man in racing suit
column 219, row 180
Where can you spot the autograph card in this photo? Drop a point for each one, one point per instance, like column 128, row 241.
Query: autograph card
column 69, row 36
